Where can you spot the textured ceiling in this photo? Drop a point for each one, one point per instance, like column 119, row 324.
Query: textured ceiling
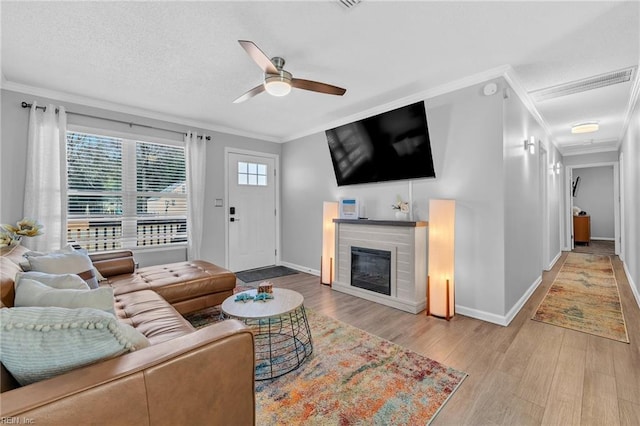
column 182, row 59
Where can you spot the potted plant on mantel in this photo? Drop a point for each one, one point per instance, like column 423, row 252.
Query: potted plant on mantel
column 401, row 208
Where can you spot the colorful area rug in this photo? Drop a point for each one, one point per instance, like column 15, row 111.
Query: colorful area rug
column 351, row 378
column 584, row 297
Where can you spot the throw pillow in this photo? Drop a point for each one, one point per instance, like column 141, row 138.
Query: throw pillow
column 60, row 281
column 38, row 343
column 33, row 293
column 64, row 263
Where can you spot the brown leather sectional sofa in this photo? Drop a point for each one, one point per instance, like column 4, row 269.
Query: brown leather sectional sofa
column 186, row 376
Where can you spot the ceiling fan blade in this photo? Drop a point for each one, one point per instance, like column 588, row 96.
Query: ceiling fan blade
column 250, row 94
column 258, row 57
column 316, row 86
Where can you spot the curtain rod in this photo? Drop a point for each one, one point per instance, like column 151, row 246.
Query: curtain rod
column 129, row 123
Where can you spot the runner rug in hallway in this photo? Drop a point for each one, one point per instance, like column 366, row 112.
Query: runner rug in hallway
column 352, row 377
column 585, row 297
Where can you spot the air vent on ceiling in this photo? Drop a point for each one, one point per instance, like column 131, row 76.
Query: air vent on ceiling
column 583, row 85
column 348, row 4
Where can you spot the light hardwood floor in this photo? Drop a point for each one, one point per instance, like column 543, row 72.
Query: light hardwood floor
column 528, row 373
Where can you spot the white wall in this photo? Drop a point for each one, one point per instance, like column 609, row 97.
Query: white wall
column 630, row 167
column 595, row 196
column 13, row 153
column 466, row 136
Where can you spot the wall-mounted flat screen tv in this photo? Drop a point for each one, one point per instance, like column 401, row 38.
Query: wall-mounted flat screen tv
column 393, row 145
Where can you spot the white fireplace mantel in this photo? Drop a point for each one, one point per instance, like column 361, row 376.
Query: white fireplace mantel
column 407, row 241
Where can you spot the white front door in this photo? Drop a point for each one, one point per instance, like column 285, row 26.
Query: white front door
column 251, row 211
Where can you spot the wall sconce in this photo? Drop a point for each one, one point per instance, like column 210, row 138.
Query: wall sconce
column 440, row 279
column 329, row 212
column 530, row 145
column 556, row 168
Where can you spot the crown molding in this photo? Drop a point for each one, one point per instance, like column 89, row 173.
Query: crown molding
column 631, row 105
column 415, row 97
column 124, row 109
column 514, row 82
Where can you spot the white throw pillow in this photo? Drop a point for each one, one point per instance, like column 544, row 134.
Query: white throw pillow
column 33, row 293
column 60, row 281
column 63, row 262
column 39, row 343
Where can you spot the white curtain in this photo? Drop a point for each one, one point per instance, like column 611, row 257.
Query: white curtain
column 45, row 189
column 196, row 153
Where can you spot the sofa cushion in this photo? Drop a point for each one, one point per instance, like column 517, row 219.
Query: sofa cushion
column 177, row 281
column 33, row 293
column 39, row 343
column 64, row 262
column 151, row 315
column 59, row 281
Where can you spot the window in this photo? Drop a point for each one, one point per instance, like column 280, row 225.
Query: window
column 252, row 174
column 124, row 193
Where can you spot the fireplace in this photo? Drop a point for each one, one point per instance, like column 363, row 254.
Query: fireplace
column 371, row 269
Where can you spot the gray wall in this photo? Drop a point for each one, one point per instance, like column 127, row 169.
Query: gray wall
column 598, row 157
column 466, row 136
column 595, row 196
column 480, row 162
column 525, row 173
column 13, row 152
column 630, row 192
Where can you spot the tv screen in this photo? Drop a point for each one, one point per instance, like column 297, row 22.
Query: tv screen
column 390, row 146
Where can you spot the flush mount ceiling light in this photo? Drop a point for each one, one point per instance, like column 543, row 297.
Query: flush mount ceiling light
column 589, row 127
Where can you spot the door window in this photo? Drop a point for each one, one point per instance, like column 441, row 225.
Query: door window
column 253, row 174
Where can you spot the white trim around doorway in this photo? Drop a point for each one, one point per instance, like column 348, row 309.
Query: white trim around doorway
column 568, row 240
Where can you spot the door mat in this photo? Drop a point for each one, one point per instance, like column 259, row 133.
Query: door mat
column 261, row 274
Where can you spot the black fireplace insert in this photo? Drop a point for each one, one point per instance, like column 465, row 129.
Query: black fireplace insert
column 371, row 269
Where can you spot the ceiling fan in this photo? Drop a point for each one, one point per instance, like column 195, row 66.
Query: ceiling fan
column 278, row 81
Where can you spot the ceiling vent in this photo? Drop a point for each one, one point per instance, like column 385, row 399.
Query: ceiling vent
column 578, row 86
column 349, row 4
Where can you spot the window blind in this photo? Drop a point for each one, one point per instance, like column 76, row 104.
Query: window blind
column 124, row 193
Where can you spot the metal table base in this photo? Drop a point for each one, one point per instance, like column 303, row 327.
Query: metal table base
column 282, row 343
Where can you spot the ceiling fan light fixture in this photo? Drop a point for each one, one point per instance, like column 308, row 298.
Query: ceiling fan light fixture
column 588, row 127
column 278, row 85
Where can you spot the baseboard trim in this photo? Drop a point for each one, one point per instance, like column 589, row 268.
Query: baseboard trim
column 516, row 308
column 471, row 312
column 634, row 288
column 300, row 268
column 603, row 239
column 499, row 319
column 481, row 315
column 554, row 261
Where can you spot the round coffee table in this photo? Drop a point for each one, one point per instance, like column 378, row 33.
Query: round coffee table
column 280, row 327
